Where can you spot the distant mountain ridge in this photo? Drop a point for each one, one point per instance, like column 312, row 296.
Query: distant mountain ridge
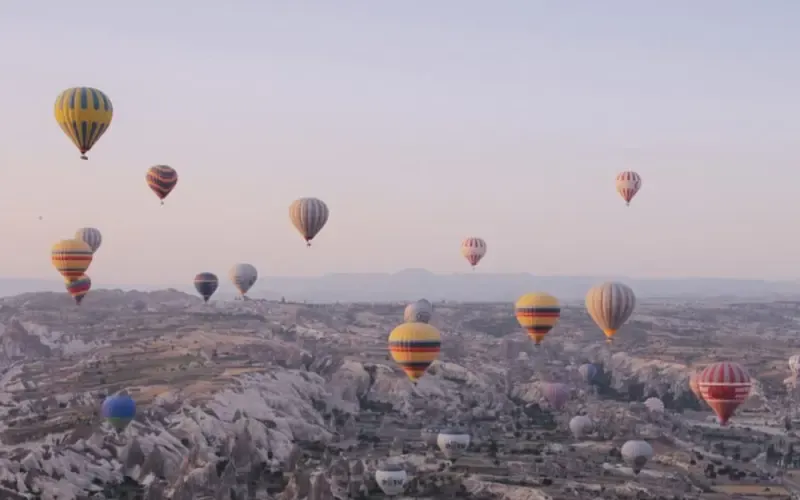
column 415, row 283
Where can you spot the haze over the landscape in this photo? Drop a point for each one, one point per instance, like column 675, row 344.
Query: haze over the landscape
column 418, row 123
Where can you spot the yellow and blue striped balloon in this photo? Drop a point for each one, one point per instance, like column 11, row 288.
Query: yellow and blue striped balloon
column 414, row 346
column 84, row 114
column 537, row 313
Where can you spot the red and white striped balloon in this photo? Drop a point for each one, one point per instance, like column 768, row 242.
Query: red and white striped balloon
column 628, row 184
column 473, row 249
column 724, row 386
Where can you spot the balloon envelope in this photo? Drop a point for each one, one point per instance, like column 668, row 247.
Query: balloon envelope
column 555, row 394
column 308, row 216
column 610, row 305
column 628, row 184
column 119, row 410
column 473, row 249
column 206, row 284
column 91, row 236
column 414, row 346
column 420, row 311
column 580, row 426
column 724, row 387
column 71, row 258
column 588, row 372
column 391, row 479
column 537, row 313
column 84, row 114
column 161, row 179
column 243, row 276
column 636, row 453
column 79, row 287
column 453, row 443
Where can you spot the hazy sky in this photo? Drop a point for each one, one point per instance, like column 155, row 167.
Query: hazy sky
column 419, row 122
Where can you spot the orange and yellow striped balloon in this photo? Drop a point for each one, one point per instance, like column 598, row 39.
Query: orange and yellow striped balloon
column 71, row 258
column 414, row 346
column 537, row 313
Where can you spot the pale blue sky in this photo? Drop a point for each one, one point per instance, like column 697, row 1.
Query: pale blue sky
column 419, row 122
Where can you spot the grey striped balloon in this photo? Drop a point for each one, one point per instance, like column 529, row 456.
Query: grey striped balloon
column 308, row 215
column 610, row 305
column 418, row 312
column 243, row 276
column 91, row 236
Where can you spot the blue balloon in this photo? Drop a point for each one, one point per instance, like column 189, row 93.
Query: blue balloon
column 119, row 410
column 588, row 371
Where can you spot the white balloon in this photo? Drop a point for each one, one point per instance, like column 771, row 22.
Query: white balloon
column 581, row 425
column 636, row 454
column 655, row 405
column 453, row 443
column 391, row 479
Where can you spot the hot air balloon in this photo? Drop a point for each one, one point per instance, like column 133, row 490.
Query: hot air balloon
column 71, row 258
column 79, row 287
column 414, row 346
column 84, row 114
column 537, row 313
column 588, row 372
column 654, row 405
column 610, row 305
column 90, row 236
column 391, row 479
column 794, row 364
column 420, row 311
column 694, row 385
column 473, row 249
column 628, row 184
column 309, row 216
column 555, row 394
column 430, row 435
column 161, row 179
column 453, row 442
column 243, row 276
column 580, row 426
column 119, row 410
column 636, row 454
column 724, row 386
column 206, row 284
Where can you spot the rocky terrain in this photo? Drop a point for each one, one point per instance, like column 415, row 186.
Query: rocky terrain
column 266, row 400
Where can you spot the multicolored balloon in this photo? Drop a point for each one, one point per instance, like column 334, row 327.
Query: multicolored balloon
column 610, row 305
column 71, row 258
column 555, row 394
column 91, row 236
column 473, row 249
column 161, row 179
column 79, row 287
column 724, row 386
column 119, row 410
column 309, row 216
column 420, row 311
column 84, row 114
column 206, row 284
column 414, row 346
column 628, row 184
column 243, row 276
column 537, row 313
